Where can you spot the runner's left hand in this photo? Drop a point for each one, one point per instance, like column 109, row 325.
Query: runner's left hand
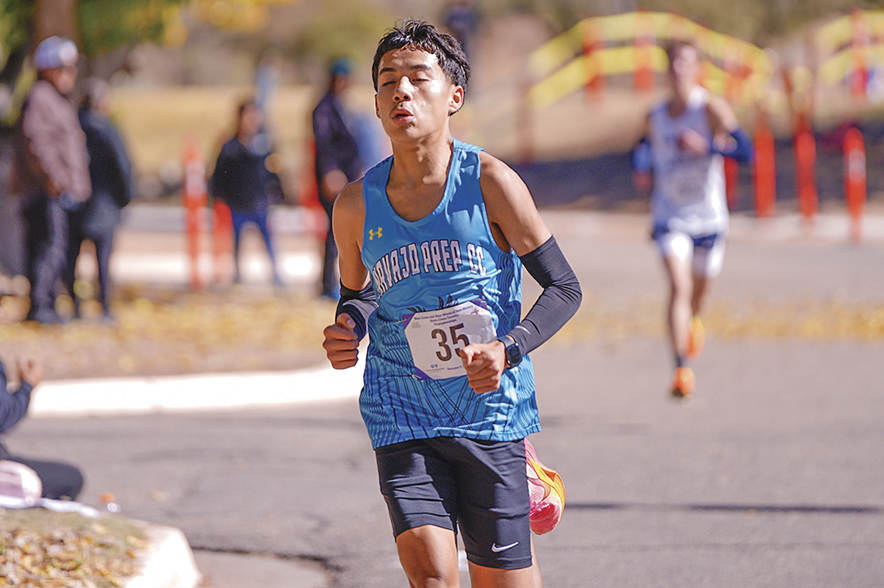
column 484, row 363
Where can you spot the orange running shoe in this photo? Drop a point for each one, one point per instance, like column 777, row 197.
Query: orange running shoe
column 696, row 338
column 683, row 383
column 546, row 491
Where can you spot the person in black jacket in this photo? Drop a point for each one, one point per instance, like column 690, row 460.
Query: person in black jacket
column 59, row 480
column 110, row 171
column 337, row 161
column 243, row 182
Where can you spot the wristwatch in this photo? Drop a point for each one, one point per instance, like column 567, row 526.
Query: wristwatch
column 512, row 352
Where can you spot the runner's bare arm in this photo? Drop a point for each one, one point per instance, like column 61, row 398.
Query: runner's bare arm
column 728, row 137
column 341, row 339
column 517, row 224
column 348, row 218
column 721, row 116
column 514, row 218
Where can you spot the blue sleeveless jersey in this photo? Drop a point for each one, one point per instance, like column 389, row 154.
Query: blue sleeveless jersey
column 447, row 258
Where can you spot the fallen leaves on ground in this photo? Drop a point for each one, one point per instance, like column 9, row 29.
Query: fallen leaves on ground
column 789, row 319
column 44, row 549
column 177, row 331
column 172, row 332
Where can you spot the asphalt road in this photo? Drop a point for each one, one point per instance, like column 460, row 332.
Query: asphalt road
column 772, row 477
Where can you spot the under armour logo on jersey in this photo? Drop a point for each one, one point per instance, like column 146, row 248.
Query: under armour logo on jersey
column 372, row 234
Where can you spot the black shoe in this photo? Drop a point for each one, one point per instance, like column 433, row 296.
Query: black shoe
column 107, row 317
column 45, row 317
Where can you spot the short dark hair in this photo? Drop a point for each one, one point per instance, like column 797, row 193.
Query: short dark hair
column 422, row 35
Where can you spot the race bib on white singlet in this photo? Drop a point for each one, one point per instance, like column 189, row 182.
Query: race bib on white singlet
column 687, row 183
column 435, row 337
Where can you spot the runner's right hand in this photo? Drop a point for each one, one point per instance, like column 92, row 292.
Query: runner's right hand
column 341, row 344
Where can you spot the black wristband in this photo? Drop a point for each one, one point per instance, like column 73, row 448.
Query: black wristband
column 359, row 304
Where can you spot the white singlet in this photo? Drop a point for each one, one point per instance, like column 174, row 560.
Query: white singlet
column 689, row 190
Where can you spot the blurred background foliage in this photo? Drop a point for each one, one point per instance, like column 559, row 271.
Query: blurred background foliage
column 311, row 31
column 179, row 52
column 758, row 21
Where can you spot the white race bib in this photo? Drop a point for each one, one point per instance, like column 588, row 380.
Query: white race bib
column 435, row 337
column 687, row 183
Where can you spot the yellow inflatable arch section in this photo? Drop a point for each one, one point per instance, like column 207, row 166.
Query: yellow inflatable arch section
column 621, row 44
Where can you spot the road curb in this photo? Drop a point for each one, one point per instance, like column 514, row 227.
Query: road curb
column 168, row 561
column 204, row 392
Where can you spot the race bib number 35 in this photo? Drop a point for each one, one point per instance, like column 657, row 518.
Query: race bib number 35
column 435, row 337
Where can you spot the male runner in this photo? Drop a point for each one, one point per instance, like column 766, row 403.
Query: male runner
column 684, row 142
column 432, row 242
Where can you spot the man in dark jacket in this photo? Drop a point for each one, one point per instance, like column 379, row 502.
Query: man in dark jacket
column 59, row 480
column 337, row 161
column 110, row 172
column 51, row 170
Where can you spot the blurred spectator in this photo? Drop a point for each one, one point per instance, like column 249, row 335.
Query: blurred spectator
column 110, row 172
column 266, row 84
column 243, row 182
column 337, row 160
column 460, row 20
column 59, row 480
column 267, row 80
column 51, row 171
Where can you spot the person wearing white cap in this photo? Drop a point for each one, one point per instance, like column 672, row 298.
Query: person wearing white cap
column 51, row 170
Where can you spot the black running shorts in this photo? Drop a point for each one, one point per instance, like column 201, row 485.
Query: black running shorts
column 477, row 487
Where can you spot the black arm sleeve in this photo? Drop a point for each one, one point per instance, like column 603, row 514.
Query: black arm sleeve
column 557, row 303
column 359, row 304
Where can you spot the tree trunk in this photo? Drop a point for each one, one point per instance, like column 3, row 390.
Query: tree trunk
column 55, row 17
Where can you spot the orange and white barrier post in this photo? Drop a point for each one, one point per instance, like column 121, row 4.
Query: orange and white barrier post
column 645, row 40
column 731, row 182
column 593, row 43
column 222, row 243
column 195, row 199
column 805, row 163
column 855, row 180
column 765, row 170
column 859, row 74
column 315, row 221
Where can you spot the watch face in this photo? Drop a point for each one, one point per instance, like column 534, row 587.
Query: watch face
column 513, row 354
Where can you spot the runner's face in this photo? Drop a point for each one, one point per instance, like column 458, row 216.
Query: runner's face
column 685, row 67
column 414, row 96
